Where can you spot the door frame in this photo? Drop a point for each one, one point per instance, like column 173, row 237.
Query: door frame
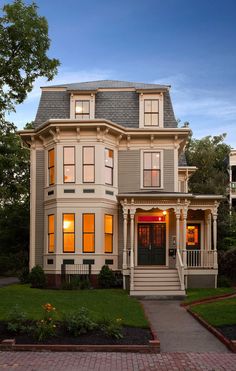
column 159, row 213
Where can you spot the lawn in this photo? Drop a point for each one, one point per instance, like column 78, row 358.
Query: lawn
column 222, row 312
column 101, row 303
column 197, row 294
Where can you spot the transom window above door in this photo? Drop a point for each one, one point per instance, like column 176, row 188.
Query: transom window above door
column 151, row 169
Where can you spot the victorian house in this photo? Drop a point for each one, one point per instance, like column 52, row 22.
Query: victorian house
column 109, row 185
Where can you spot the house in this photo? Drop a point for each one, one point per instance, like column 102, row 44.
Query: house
column 232, row 179
column 109, row 185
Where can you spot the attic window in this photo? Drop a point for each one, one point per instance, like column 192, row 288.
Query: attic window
column 151, row 112
column 82, row 109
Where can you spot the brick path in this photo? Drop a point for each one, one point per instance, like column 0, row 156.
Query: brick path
column 29, row 361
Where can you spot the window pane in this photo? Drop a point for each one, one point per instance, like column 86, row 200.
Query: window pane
column 147, row 119
column 147, row 160
column 78, row 106
column 51, row 176
column 108, row 175
column 155, row 178
column 89, row 173
column 108, row 242
column 155, row 160
column 108, row 224
column 88, row 239
column 69, row 155
column 147, row 105
column 155, row 119
column 88, row 223
column 50, row 223
column 147, row 178
column 51, row 158
column 86, row 106
column 68, row 222
column 88, row 155
column 69, row 242
column 69, row 174
column 155, row 105
column 51, row 243
column 109, row 157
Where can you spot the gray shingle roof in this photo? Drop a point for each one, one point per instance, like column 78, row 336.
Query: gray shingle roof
column 93, row 85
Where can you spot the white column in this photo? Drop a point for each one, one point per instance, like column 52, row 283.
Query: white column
column 32, row 206
column 177, row 214
column 125, row 238
column 209, row 231
column 215, row 239
column 132, row 213
column 185, row 214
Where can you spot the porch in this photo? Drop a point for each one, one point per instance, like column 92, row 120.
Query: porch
column 169, row 241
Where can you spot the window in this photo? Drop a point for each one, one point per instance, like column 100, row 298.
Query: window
column 151, row 169
column 109, row 160
column 108, row 229
column 51, row 166
column 69, row 164
column 88, row 233
column 82, row 109
column 88, row 165
column 51, row 246
column 69, row 233
column 151, row 112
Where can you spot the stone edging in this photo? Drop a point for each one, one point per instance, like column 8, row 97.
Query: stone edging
column 230, row 344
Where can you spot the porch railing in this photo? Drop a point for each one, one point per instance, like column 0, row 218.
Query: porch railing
column 200, row 258
column 72, row 271
column 180, row 268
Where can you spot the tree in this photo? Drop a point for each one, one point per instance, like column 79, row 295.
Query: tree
column 210, row 155
column 24, row 43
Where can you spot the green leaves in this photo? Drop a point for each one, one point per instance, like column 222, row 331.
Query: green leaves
column 24, row 43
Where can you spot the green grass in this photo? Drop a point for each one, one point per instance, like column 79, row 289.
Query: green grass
column 222, row 312
column 101, row 303
column 197, row 294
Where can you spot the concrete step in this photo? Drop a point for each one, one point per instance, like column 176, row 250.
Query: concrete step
column 156, row 279
column 158, row 275
column 158, row 294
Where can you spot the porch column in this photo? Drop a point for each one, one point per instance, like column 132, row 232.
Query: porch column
column 185, row 214
column 132, row 213
column 215, row 239
column 209, row 232
column 125, row 214
column 177, row 214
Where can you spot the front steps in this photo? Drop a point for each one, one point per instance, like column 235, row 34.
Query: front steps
column 161, row 283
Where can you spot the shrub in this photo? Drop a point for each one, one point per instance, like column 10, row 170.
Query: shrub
column 37, row 277
column 24, row 275
column 227, row 264
column 106, row 277
column 78, row 323
column 17, row 321
column 111, row 328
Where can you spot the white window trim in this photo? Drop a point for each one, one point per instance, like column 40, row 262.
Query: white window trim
column 75, row 97
column 142, row 97
column 161, row 168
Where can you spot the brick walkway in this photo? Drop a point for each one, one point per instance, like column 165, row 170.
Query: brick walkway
column 30, row 361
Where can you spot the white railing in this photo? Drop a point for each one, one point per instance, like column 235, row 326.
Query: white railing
column 180, row 268
column 201, row 258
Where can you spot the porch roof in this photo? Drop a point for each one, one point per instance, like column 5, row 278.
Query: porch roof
column 166, row 195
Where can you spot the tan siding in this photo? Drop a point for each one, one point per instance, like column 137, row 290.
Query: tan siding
column 168, row 170
column 39, row 239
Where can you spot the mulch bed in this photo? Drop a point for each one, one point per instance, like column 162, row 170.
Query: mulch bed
column 229, row 331
column 131, row 336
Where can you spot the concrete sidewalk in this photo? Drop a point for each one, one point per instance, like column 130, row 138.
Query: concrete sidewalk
column 178, row 331
column 5, row 281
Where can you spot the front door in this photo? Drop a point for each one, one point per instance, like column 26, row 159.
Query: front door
column 152, row 244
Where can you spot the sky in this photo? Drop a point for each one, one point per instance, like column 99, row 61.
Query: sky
column 189, row 44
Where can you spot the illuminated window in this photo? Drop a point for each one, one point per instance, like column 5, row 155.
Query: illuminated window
column 88, row 233
column 88, row 165
column 193, row 236
column 51, row 166
column 109, row 166
column 82, row 109
column 108, row 229
column 69, row 164
column 151, row 169
column 69, row 233
column 151, row 112
column 51, row 246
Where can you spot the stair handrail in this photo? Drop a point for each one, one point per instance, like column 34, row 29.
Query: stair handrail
column 180, row 268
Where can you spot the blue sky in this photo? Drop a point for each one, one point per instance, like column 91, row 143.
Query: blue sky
column 189, row 44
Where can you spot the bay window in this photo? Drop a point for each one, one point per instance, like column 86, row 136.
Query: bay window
column 51, row 167
column 51, row 231
column 88, row 233
column 88, row 165
column 69, row 164
column 109, row 163
column 108, row 231
column 68, row 233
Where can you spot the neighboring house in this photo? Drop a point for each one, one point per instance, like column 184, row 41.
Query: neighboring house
column 232, row 179
column 109, row 185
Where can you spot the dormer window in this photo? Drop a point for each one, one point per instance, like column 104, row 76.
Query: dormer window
column 151, row 110
column 82, row 107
